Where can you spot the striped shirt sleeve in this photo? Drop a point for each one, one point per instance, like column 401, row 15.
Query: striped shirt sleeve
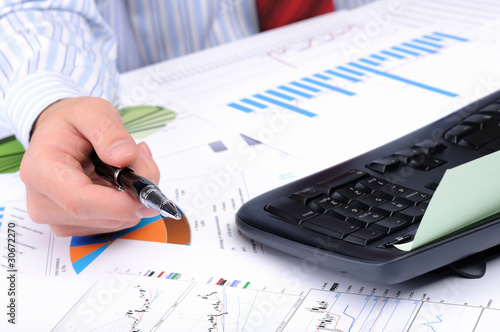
column 51, row 50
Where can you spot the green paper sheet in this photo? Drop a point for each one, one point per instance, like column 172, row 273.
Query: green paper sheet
column 467, row 194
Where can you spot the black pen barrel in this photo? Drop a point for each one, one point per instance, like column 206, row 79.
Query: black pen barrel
column 133, row 183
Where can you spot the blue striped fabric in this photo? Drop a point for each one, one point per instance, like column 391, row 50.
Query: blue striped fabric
column 57, row 49
column 168, row 29
column 51, row 50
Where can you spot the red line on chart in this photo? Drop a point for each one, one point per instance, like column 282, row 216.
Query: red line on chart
column 274, row 55
column 328, row 315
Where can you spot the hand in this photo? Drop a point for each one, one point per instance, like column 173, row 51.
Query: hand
column 62, row 189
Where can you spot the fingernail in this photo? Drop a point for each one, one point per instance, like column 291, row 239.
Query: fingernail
column 122, row 148
column 145, row 212
column 145, row 150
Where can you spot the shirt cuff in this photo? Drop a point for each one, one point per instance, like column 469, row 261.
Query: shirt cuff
column 29, row 96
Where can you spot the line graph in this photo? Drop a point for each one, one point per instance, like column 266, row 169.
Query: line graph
column 222, row 308
column 430, row 324
column 144, row 303
column 449, row 317
column 216, row 317
column 137, row 314
column 331, row 36
column 323, row 310
column 121, row 303
column 327, row 311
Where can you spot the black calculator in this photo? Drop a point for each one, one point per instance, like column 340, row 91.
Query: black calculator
column 349, row 217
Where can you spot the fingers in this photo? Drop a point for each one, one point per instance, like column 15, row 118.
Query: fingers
column 65, row 230
column 87, row 205
column 101, row 124
column 103, row 127
column 145, row 165
column 119, row 212
column 71, row 206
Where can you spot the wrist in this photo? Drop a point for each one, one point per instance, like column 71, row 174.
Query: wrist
column 27, row 98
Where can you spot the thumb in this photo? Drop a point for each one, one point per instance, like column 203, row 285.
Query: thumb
column 102, row 126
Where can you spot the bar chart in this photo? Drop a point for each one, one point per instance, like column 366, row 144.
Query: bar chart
column 289, row 95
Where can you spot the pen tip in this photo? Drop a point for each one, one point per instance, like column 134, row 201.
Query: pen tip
column 170, row 210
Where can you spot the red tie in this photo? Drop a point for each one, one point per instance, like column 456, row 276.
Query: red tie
column 276, row 13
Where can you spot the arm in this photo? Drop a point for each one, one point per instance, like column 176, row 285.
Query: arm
column 58, row 69
column 51, row 50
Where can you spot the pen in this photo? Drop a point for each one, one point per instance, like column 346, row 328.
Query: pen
column 138, row 187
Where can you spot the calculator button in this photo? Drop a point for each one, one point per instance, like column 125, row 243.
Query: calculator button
column 363, row 236
column 425, row 162
column 384, row 164
column 368, row 202
column 389, row 208
column 482, row 137
column 328, row 186
column 455, row 134
column 389, row 225
column 366, row 218
column 371, row 184
column 329, row 226
column 413, row 213
column 347, row 194
column 290, row 210
column 429, row 146
column 305, row 196
column 324, row 203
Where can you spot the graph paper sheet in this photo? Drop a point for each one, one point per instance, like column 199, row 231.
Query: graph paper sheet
column 349, row 82
column 319, row 92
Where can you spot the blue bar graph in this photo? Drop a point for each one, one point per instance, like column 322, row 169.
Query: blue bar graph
column 420, row 48
column 328, row 86
column 323, row 77
column 347, row 77
column 305, row 86
column 404, row 80
column 285, row 105
column 427, row 43
column 280, row 95
column 240, row 107
column 295, row 91
column 404, row 50
column 394, row 55
column 351, row 71
column 440, row 34
column 289, row 95
column 370, row 62
column 253, row 103
column 433, row 38
column 378, row 57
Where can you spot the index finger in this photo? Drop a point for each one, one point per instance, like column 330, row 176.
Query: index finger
column 71, row 189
